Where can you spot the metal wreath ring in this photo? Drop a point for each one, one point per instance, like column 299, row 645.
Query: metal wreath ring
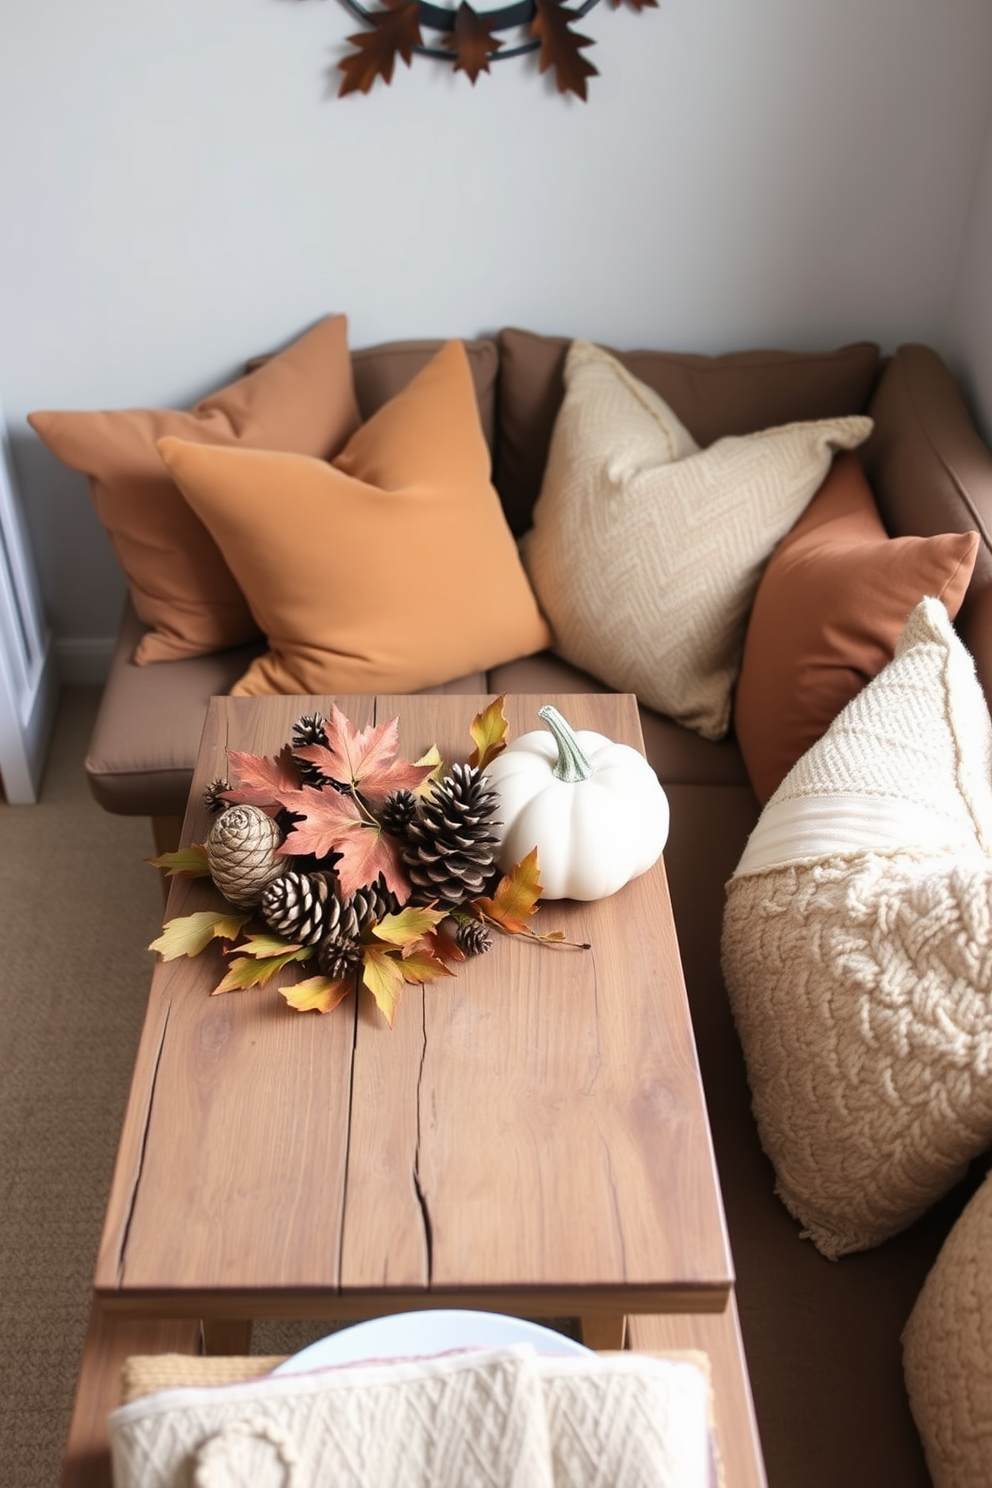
column 503, row 18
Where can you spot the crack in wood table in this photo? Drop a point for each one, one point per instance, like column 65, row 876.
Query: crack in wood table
column 530, row 1137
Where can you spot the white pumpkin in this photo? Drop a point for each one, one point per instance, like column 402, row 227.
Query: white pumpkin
column 594, row 809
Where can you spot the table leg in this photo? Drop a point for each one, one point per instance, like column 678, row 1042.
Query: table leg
column 223, row 1336
column 110, row 1339
column 603, row 1330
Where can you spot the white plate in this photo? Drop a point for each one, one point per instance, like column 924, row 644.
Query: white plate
column 403, row 1334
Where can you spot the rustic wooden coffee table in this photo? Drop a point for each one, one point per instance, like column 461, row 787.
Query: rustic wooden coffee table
column 530, row 1137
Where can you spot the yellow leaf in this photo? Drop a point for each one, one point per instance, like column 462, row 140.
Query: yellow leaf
column 409, row 925
column 190, row 934
column 489, row 730
column 190, row 861
column 382, row 974
column 274, row 945
column 246, row 971
column 421, row 966
column 432, row 758
column 516, row 896
column 317, row 994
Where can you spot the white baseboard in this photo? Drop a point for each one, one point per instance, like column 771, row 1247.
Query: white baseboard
column 84, row 661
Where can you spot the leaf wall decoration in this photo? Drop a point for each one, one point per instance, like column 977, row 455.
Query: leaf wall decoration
column 472, row 41
column 561, row 47
column 395, row 32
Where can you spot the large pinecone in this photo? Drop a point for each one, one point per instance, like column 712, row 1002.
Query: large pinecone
column 241, row 853
column 345, row 920
column 450, row 850
column 295, row 906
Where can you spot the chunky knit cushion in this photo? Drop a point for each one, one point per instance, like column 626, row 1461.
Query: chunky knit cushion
column 646, row 551
column 947, row 1353
column 857, row 949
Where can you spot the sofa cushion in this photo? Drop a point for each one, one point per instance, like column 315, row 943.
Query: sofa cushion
column 947, row 1353
column 713, row 396
column 857, row 948
column 646, row 551
column 383, row 370
column 829, row 610
column 931, row 472
column 301, row 400
column 390, row 569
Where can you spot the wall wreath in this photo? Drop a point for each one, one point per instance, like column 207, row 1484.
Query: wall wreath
column 467, row 39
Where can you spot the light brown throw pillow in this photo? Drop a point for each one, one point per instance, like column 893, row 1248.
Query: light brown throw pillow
column 301, row 400
column 646, row 551
column 829, row 610
column 390, row 569
column 947, row 1353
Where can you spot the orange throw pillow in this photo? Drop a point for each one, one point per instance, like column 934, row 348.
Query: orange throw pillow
column 831, row 605
column 302, row 399
column 390, row 569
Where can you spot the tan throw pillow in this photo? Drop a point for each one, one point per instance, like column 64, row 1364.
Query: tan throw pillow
column 181, row 587
column 830, row 608
column 646, row 551
column 857, row 949
column 391, row 569
column 947, row 1353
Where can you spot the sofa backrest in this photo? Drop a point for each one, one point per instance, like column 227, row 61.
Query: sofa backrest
column 931, row 472
column 713, row 396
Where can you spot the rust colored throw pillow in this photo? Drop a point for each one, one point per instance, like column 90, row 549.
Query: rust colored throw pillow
column 391, row 568
column 302, row 400
column 830, row 608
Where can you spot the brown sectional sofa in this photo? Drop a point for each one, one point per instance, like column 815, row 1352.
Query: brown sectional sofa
column 822, row 1338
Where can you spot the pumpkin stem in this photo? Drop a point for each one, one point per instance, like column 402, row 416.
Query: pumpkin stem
column 573, row 765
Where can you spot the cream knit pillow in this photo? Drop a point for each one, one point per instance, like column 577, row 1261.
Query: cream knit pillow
column 857, row 949
column 947, row 1353
column 646, row 551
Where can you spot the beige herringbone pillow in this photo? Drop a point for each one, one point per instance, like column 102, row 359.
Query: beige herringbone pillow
column 646, row 551
column 857, row 950
column 947, row 1353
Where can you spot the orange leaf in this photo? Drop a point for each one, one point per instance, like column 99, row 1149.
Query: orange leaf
column 473, row 43
column 333, row 821
column 421, row 966
column 489, row 730
column 516, row 896
column 444, row 947
column 396, row 31
column 365, row 761
column 561, row 47
column 408, row 925
column 317, row 994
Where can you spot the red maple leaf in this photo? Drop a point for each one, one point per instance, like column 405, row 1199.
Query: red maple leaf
column 364, row 760
column 262, row 781
column 334, row 822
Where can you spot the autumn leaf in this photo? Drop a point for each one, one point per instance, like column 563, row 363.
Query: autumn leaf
column 408, row 925
column 422, row 966
column 435, row 764
column 189, row 862
column 333, row 821
column 252, row 970
column 472, row 41
column 445, row 947
column 261, row 781
column 561, row 47
column 263, row 945
column 317, row 994
column 396, row 31
column 515, row 898
column 365, row 761
column 190, row 934
column 382, row 975
column 489, row 730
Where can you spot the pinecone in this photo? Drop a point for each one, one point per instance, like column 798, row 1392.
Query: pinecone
column 294, row 906
column 306, row 731
column 451, row 851
column 338, row 954
column 212, row 797
column 398, row 811
column 473, row 937
column 241, row 853
column 371, row 903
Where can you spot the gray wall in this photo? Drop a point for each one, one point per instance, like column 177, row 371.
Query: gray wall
column 179, row 189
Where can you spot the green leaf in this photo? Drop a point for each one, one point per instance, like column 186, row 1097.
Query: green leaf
column 261, row 945
column 190, row 934
column 317, row 994
column 190, row 861
column 247, row 971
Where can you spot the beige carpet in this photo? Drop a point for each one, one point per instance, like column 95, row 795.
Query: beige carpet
column 78, row 908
